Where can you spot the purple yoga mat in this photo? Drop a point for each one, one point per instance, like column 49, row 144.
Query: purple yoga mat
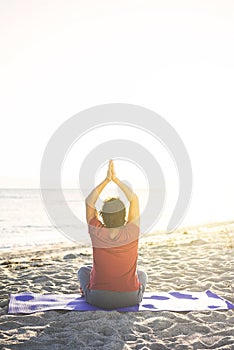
column 152, row 301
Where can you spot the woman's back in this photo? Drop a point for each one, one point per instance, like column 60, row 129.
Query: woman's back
column 114, row 260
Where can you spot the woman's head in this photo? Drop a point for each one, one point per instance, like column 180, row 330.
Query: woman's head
column 113, row 213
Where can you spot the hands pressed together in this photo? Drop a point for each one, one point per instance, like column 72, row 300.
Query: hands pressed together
column 111, row 172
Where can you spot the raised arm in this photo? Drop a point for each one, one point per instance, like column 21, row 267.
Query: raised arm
column 91, row 200
column 134, row 211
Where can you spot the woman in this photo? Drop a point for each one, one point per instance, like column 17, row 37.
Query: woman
column 113, row 281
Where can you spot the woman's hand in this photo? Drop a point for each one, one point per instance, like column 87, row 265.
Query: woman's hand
column 109, row 171
column 113, row 176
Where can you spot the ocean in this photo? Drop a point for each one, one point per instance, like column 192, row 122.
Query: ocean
column 24, row 221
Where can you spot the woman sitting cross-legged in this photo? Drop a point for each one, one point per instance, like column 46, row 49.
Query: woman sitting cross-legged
column 113, row 281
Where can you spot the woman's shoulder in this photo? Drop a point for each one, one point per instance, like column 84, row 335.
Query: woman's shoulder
column 132, row 225
column 95, row 222
column 131, row 229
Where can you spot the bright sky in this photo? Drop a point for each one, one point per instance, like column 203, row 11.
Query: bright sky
column 174, row 57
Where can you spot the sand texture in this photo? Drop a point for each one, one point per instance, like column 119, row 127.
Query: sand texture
column 194, row 259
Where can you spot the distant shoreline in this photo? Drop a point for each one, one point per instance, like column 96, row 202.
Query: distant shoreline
column 213, row 231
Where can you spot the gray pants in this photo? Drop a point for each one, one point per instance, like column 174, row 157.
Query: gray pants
column 108, row 299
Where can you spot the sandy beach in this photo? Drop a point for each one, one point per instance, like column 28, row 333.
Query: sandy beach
column 192, row 258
